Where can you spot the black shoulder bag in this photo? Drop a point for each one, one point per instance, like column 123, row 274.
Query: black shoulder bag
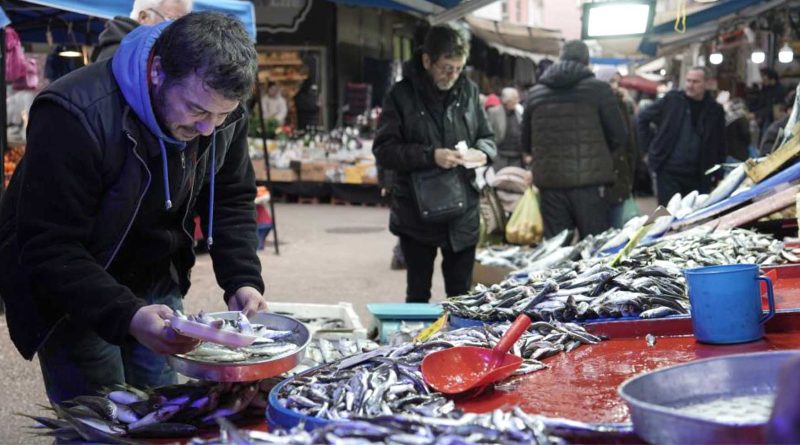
column 440, row 194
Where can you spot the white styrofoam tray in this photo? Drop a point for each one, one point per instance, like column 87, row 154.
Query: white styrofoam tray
column 341, row 310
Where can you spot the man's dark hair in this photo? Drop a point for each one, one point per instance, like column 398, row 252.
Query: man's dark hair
column 445, row 41
column 771, row 73
column 576, row 51
column 212, row 45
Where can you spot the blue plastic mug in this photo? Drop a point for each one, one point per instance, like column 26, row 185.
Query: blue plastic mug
column 726, row 303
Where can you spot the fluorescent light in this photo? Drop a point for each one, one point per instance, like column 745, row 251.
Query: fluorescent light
column 758, row 56
column 70, row 51
column 785, row 55
column 715, row 58
column 616, row 19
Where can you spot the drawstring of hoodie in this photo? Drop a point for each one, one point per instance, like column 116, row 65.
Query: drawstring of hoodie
column 210, row 240
column 168, row 197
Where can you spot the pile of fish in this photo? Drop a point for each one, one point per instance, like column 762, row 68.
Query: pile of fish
column 328, row 349
column 649, row 283
column 388, row 381
column 269, row 342
column 513, row 428
column 168, row 411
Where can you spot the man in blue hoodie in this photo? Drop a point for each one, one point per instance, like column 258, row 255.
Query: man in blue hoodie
column 96, row 240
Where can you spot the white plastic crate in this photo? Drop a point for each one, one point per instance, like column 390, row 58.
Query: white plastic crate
column 341, row 310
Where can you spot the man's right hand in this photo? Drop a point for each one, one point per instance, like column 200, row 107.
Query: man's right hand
column 446, row 158
column 149, row 326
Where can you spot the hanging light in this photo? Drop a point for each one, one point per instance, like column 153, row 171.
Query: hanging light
column 758, row 56
column 70, row 51
column 663, row 72
column 785, row 55
column 715, row 58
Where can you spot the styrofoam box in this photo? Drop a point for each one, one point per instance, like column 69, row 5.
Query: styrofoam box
column 340, row 310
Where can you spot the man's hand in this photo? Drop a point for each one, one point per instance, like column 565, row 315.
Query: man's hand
column 248, row 300
column 150, row 328
column 447, row 158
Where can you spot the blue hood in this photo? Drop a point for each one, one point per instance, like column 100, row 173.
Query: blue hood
column 130, row 70
column 129, row 66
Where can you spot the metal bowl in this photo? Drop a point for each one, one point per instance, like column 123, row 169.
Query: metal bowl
column 717, row 400
column 254, row 368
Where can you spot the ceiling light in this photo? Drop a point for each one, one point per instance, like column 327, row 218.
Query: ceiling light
column 785, row 55
column 758, row 56
column 715, row 58
column 70, row 51
column 663, row 72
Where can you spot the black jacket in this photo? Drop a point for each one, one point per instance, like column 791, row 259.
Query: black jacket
column 79, row 189
column 667, row 114
column 408, row 133
column 572, row 124
column 110, row 38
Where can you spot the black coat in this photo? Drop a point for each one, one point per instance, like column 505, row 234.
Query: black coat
column 79, row 189
column 408, row 133
column 572, row 124
column 667, row 114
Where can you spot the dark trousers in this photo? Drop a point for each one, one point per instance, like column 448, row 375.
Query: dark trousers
column 456, row 268
column 75, row 361
column 667, row 185
column 583, row 208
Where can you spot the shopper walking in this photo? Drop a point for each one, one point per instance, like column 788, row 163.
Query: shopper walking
column 737, row 129
column 274, row 105
column 572, row 127
column 96, row 226
column 506, row 123
column 688, row 140
column 434, row 202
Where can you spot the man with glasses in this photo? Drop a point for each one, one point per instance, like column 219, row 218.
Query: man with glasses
column 424, row 116
column 144, row 12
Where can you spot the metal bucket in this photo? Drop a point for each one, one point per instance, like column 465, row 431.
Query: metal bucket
column 718, row 400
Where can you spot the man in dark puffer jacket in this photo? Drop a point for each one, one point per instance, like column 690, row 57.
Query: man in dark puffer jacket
column 424, row 116
column 572, row 126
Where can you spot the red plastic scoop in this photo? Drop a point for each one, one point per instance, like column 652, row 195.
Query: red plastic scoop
column 460, row 369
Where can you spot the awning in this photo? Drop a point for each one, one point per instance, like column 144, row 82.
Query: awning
column 704, row 23
column 538, row 41
column 31, row 18
column 419, row 6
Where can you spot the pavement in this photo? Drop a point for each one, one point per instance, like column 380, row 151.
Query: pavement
column 327, row 254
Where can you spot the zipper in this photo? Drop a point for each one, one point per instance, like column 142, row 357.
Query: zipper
column 183, row 160
column 138, row 202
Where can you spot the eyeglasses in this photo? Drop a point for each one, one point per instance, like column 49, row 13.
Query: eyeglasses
column 163, row 17
column 448, row 69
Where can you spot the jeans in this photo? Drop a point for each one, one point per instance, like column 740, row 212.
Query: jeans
column 456, row 268
column 75, row 361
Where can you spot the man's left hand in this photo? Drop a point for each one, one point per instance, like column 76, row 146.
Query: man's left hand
column 248, row 300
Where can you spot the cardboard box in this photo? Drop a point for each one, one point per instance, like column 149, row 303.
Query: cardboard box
column 315, row 171
column 277, row 174
column 488, row 275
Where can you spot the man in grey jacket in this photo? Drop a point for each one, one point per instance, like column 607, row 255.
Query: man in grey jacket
column 572, row 125
column 506, row 123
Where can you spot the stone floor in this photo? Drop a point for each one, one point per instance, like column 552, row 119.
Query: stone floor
column 327, row 254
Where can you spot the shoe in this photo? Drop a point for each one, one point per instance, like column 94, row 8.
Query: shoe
column 397, row 264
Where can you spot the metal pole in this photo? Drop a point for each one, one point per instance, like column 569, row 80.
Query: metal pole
column 266, row 165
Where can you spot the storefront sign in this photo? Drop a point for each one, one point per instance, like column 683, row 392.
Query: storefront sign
column 280, row 15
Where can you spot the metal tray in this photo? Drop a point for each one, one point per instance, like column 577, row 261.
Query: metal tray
column 252, row 369
column 716, row 400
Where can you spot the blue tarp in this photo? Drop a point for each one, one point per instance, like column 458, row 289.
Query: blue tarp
column 107, row 9
column 721, row 9
column 4, row 21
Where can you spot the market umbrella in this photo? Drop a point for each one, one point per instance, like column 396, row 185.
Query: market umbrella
column 639, row 83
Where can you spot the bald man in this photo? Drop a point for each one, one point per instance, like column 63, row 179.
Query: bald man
column 144, row 12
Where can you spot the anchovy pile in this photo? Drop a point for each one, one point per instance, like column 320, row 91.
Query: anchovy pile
column 649, row 283
column 322, row 350
column 317, row 323
column 169, row 411
column 388, row 381
column 513, row 428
